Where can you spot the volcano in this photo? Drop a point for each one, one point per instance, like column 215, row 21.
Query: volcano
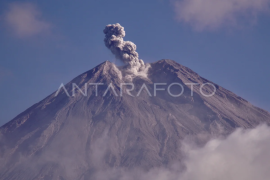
column 62, row 137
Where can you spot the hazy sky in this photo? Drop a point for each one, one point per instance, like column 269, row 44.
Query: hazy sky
column 45, row 43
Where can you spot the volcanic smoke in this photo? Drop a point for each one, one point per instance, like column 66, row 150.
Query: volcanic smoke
column 124, row 50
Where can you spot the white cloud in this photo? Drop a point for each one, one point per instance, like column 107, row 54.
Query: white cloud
column 213, row 14
column 244, row 155
column 25, row 20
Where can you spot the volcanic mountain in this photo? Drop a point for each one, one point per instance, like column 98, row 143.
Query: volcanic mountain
column 62, row 137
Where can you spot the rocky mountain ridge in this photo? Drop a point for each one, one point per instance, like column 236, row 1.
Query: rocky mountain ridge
column 65, row 137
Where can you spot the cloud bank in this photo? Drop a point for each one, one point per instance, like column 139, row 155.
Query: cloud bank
column 244, row 155
column 213, row 14
column 25, row 20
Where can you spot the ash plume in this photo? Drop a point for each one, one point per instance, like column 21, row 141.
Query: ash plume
column 124, row 50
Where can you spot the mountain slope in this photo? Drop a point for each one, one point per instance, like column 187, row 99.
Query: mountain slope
column 65, row 137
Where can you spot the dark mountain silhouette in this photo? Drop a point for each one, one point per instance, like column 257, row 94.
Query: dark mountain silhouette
column 65, row 137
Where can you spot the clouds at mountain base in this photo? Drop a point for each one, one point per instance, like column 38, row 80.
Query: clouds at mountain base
column 244, row 155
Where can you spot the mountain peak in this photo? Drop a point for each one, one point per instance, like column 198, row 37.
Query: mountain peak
column 139, row 131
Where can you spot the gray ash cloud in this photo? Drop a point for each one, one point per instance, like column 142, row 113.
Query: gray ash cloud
column 123, row 50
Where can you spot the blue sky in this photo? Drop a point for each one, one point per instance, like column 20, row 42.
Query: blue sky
column 45, row 43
